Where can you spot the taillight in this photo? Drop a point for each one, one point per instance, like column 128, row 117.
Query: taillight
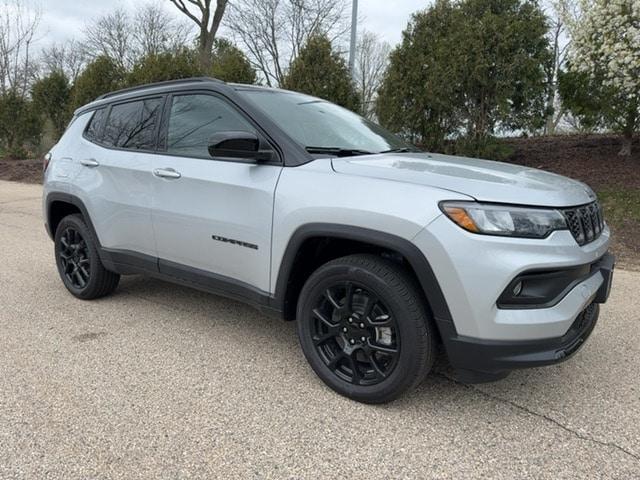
column 45, row 163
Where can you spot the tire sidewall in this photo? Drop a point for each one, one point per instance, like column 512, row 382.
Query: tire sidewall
column 402, row 375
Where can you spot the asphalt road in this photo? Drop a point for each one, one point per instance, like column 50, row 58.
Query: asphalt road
column 158, row 381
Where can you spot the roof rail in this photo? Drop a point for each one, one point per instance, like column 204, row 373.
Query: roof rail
column 158, row 84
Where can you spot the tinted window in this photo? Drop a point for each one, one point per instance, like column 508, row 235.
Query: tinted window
column 133, row 125
column 94, row 129
column 194, row 118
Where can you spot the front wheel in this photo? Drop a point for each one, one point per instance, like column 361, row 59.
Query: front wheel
column 364, row 328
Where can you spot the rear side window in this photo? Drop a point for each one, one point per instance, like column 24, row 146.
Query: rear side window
column 194, row 118
column 94, row 129
column 133, row 125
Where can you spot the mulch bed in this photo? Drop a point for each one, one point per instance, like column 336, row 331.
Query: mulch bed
column 592, row 159
column 27, row 171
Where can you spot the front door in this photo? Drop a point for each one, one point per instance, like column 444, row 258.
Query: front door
column 212, row 217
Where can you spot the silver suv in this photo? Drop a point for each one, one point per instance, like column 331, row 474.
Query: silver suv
column 380, row 252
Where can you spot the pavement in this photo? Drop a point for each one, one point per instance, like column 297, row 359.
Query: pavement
column 159, row 381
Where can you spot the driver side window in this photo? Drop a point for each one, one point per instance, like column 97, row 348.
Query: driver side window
column 194, row 118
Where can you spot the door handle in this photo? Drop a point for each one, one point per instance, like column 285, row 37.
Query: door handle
column 166, row 173
column 89, row 162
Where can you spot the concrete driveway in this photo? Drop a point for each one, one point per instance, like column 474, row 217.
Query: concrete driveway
column 158, row 381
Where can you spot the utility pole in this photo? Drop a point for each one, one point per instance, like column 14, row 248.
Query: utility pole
column 352, row 46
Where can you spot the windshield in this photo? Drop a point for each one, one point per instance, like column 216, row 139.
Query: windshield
column 323, row 127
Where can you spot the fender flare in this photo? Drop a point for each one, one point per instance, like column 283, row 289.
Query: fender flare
column 413, row 255
column 72, row 200
column 79, row 204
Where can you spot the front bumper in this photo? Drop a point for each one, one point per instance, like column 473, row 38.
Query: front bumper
column 478, row 361
column 485, row 339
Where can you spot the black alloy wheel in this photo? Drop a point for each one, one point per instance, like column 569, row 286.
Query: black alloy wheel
column 365, row 328
column 74, row 257
column 355, row 334
column 78, row 260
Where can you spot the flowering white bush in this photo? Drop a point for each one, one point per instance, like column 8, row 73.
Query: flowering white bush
column 606, row 40
column 606, row 46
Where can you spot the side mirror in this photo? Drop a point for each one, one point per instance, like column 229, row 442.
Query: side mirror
column 237, row 144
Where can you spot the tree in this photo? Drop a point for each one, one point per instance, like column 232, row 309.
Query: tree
column 208, row 22
column 164, row 66
column 273, row 32
column 372, row 57
column 503, row 77
column 496, row 82
column 230, row 64
column 51, row 95
column 111, row 36
column 127, row 37
column 18, row 28
column 420, row 96
column 585, row 99
column 101, row 76
column 69, row 58
column 155, row 31
column 20, row 123
column 557, row 12
column 605, row 57
column 321, row 72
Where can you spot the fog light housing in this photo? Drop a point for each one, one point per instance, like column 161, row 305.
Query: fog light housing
column 517, row 290
column 542, row 289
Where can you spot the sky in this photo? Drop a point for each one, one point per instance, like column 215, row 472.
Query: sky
column 63, row 19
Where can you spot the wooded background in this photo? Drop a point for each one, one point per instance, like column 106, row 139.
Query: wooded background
column 466, row 73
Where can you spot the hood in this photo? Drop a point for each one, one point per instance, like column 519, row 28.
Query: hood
column 483, row 180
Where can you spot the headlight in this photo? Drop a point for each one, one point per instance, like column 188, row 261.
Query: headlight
column 505, row 220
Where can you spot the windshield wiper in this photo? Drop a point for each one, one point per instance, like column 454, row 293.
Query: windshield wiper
column 337, row 151
column 400, row 150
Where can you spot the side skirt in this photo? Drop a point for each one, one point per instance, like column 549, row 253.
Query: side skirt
column 131, row 263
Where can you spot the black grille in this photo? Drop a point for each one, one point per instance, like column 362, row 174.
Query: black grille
column 585, row 222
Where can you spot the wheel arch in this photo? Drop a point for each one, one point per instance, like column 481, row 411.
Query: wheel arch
column 58, row 206
column 289, row 282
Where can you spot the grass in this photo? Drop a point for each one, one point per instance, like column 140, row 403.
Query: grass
column 621, row 205
column 622, row 213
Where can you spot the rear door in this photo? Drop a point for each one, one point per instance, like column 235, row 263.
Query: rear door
column 212, row 217
column 115, row 177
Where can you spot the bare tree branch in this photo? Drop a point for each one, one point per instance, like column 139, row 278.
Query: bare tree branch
column 556, row 14
column 18, row 28
column 111, row 35
column 69, row 57
column 156, row 31
column 371, row 61
column 207, row 22
column 273, row 31
column 183, row 8
column 125, row 37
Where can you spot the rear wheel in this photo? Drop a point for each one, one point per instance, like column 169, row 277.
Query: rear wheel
column 78, row 261
column 364, row 328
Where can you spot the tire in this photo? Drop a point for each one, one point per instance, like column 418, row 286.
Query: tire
column 78, row 261
column 381, row 345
